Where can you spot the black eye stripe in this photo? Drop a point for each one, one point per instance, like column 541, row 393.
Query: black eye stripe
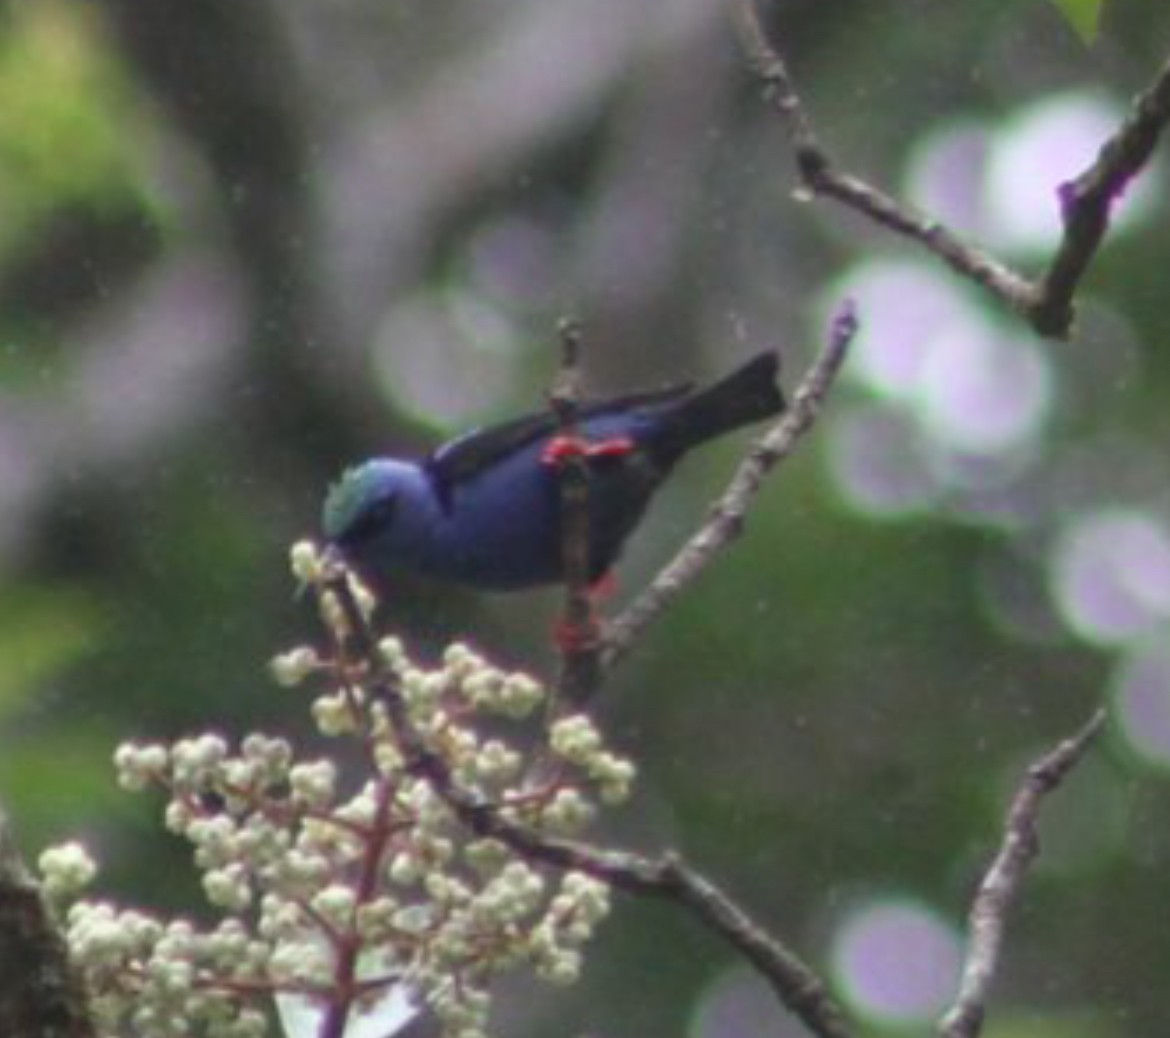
column 372, row 520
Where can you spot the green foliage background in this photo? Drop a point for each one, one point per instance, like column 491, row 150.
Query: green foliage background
column 242, row 245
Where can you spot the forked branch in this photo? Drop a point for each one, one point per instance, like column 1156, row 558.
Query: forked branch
column 1086, row 201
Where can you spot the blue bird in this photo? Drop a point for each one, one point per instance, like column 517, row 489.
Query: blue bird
column 484, row 510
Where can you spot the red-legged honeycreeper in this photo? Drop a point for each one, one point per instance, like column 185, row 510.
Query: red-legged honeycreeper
column 484, row 509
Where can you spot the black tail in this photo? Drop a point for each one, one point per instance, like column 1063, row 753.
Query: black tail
column 749, row 394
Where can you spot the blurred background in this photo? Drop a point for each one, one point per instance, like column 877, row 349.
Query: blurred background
column 243, row 244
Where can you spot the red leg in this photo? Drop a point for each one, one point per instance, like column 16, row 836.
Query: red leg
column 572, row 638
column 560, row 448
column 614, row 447
column 603, row 587
column 580, row 637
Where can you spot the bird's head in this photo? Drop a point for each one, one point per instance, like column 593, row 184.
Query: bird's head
column 360, row 507
column 383, row 515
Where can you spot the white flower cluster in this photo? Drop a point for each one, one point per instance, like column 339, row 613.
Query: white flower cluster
column 576, row 740
column 65, row 870
column 147, row 977
column 315, row 875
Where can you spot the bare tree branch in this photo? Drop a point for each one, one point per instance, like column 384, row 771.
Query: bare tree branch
column 1086, row 201
column 1045, row 303
column 988, row 918
column 795, row 983
column 726, row 520
column 578, row 636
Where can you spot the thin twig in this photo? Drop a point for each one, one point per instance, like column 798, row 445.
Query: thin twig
column 726, row 520
column 1046, row 302
column 988, row 917
column 580, row 671
column 821, row 177
column 795, row 983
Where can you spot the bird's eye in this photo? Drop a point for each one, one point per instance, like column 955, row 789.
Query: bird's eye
column 372, row 520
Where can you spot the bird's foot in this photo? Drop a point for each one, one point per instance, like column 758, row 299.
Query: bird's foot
column 614, row 447
column 560, row 449
column 603, row 587
column 577, row 637
column 573, row 638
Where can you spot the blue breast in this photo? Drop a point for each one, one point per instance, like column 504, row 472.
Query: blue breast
column 503, row 525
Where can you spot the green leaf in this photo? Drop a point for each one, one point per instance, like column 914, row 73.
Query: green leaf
column 1083, row 15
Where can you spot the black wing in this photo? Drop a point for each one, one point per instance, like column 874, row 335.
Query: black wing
column 471, row 453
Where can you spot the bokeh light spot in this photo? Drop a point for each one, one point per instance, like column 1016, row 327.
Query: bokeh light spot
column 875, row 457
column 1142, row 698
column 946, row 172
column 1111, row 575
column 961, row 404
column 897, row 961
column 446, row 357
column 513, row 259
column 906, row 308
column 983, row 393
column 1044, row 145
column 738, row 1003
